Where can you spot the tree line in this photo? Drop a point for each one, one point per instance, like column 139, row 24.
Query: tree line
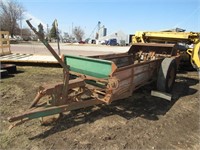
column 12, row 14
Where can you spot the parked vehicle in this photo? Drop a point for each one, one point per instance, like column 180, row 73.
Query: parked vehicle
column 112, row 42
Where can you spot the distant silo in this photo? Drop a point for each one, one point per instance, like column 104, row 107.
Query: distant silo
column 102, row 32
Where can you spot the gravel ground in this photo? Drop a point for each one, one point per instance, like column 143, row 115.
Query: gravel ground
column 81, row 49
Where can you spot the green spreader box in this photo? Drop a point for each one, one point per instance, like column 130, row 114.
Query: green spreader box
column 90, row 66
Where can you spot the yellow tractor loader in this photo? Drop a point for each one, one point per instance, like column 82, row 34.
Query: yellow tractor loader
column 190, row 42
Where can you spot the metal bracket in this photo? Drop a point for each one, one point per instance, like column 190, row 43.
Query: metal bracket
column 163, row 95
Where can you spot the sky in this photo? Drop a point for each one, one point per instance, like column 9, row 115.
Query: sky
column 126, row 15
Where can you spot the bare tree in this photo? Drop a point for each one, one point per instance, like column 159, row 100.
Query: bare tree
column 26, row 34
column 78, row 33
column 10, row 13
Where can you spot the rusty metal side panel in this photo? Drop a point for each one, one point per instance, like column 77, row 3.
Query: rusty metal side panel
column 159, row 48
column 144, row 73
column 130, row 78
column 124, row 78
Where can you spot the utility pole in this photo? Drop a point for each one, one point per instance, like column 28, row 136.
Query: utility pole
column 48, row 32
column 72, row 27
column 99, row 26
column 21, row 22
column 72, row 37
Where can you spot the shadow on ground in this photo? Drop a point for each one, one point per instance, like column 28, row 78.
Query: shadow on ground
column 141, row 104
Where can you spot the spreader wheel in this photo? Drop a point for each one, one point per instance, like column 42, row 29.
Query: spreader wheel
column 166, row 75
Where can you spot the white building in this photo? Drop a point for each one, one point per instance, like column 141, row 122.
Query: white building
column 120, row 36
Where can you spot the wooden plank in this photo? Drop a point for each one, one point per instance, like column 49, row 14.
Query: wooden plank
column 5, row 47
column 4, row 39
column 28, row 58
column 4, row 32
column 5, row 53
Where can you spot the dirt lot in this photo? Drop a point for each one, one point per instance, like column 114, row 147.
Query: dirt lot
column 138, row 122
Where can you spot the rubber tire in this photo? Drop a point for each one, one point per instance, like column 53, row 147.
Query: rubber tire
column 166, row 73
column 4, row 73
column 11, row 68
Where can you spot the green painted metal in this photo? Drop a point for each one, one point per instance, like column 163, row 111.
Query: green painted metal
column 89, row 66
column 44, row 113
column 101, row 85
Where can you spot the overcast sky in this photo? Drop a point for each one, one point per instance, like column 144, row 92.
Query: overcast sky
column 126, row 15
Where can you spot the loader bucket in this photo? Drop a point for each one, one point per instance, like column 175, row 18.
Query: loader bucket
column 90, row 66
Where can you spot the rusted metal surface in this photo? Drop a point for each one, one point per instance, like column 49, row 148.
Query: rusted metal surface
column 131, row 70
column 39, row 112
column 40, row 35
